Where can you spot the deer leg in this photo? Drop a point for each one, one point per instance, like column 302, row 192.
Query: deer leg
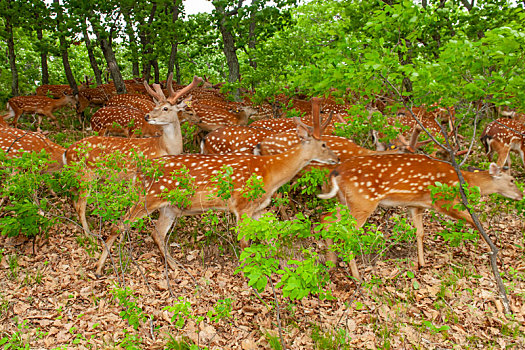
column 80, row 207
column 137, row 211
column 417, row 219
column 166, row 218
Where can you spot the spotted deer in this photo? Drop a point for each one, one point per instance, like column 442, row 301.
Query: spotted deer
column 165, row 114
column 40, row 105
column 273, row 171
column 289, row 124
column 14, row 141
column 502, row 136
column 234, row 139
column 141, row 102
column 209, row 118
column 123, row 121
column 364, row 183
column 3, row 123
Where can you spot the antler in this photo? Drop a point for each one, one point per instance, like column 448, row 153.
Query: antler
column 155, row 94
column 169, row 85
column 316, row 117
column 327, row 121
column 173, row 99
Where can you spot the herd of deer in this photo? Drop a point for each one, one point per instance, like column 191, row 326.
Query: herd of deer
column 274, row 150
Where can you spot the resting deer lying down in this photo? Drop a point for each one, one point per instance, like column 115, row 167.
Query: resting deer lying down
column 364, row 183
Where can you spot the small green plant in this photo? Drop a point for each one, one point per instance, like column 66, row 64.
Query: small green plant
column 12, row 260
column 260, row 261
column 181, row 312
column 132, row 313
column 221, row 310
column 455, row 232
column 332, row 339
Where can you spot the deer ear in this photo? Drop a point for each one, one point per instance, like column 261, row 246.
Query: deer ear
column 494, row 169
column 185, row 103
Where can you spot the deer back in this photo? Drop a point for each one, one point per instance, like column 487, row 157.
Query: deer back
column 234, row 139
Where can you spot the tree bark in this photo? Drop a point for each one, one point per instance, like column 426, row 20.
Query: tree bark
column 113, row 67
column 230, row 51
column 174, row 60
column 63, row 49
column 155, row 65
column 147, row 45
column 43, row 55
column 91, row 54
column 132, row 43
column 12, row 57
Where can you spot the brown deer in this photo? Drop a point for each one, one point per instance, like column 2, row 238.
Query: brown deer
column 141, row 102
column 289, row 124
column 13, row 141
column 3, row 123
column 502, row 136
column 124, row 121
column 364, row 183
column 166, row 115
column 234, row 139
column 40, row 105
column 273, row 171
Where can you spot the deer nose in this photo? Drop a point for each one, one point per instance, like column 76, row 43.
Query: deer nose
column 146, row 117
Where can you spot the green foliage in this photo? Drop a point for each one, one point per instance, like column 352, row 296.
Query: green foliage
column 223, row 183
column 270, row 239
column 132, row 313
column 221, row 310
column 180, row 196
column 181, row 312
column 449, row 198
column 27, row 189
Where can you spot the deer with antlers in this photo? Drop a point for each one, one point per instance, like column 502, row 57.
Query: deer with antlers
column 502, row 136
column 273, row 171
column 364, row 183
column 166, row 115
column 14, row 141
column 40, row 105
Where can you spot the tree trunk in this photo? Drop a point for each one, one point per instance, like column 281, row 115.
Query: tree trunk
column 132, row 43
column 63, row 49
column 252, row 39
column 12, row 57
column 155, row 65
column 43, row 56
column 174, row 60
column 111, row 60
column 147, row 45
column 230, row 52
column 91, row 54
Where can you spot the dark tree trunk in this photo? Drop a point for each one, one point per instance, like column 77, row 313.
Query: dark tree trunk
column 63, row 49
column 174, row 60
column 91, row 54
column 230, row 52
column 252, row 39
column 113, row 67
column 43, row 55
column 147, row 44
column 12, row 57
column 155, row 65
column 132, row 43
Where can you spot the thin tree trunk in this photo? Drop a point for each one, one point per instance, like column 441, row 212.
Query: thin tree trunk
column 174, row 60
column 147, row 45
column 230, row 52
column 134, row 57
column 91, row 54
column 43, row 55
column 12, row 57
column 63, row 49
column 111, row 60
column 155, row 65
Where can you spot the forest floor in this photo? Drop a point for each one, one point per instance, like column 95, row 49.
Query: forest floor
column 52, row 299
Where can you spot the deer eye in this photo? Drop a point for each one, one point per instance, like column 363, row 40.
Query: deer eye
column 324, row 145
column 165, row 108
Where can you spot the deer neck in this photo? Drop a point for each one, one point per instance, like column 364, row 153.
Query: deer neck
column 482, row 179
column 282, row 167
column 171, row 139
